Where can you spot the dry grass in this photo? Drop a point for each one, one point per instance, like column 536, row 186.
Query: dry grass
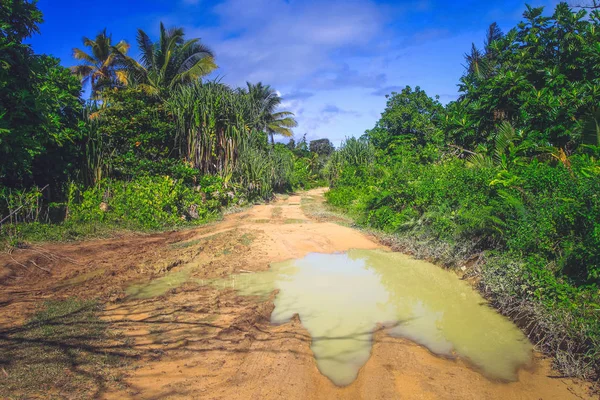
column 247, row 238
column 183, row 245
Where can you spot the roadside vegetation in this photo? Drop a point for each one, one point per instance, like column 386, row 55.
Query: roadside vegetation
column 503, row 183
column 156, row 145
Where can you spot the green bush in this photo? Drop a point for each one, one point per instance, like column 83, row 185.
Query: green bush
column 151, row 202
column 550, row 212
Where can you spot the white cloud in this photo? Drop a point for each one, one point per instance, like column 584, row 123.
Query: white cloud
column 281, row 42
column 301, row 48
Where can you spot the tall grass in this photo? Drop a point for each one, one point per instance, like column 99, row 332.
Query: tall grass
column 353, row 152
column 217, row 134
column 95, row 166
column 263, row 170
column 212, row 121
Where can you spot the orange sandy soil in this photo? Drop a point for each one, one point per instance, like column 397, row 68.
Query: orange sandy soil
column 196, row 341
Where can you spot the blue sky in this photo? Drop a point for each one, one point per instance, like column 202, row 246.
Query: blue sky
column 332, row 60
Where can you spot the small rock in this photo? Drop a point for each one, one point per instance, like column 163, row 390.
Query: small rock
column 193, row 211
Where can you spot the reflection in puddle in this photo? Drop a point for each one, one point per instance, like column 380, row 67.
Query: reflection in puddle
column 341, row 298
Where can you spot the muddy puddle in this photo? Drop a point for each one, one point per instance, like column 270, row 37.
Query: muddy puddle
column 342, row 298
column 160, row 286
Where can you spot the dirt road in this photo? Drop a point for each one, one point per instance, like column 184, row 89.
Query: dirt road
column 195, row 341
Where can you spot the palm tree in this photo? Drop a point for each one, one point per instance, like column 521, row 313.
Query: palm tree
column 270, row 121
column 476, row 62
column 482, row 63
column 510, row 148
column 103, row 67
column 171, row 61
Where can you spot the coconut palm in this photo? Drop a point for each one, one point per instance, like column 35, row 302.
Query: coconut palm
column 103, row 66
column 171, row 61
column 270, row 121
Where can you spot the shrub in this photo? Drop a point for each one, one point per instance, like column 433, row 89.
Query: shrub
column 151, row 202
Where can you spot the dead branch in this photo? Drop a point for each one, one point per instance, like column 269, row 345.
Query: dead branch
column 18, row 263
column 42, row 268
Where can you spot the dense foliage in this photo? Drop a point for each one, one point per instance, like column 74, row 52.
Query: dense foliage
column 155, row 146
column 543, row 76
column 505, row 180
column 39, row 106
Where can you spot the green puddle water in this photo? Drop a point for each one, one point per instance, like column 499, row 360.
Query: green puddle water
column 341, row 298
column 160, row 286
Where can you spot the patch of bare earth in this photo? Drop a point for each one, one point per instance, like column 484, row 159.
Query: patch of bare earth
column 195, row 341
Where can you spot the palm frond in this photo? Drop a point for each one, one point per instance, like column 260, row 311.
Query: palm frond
column 281, row 130
column 122, row 47
column 504, row 137
column 148, row 56
column 122, row 76
column 87, row 42
column 285, row 122
column 282, row 114
column 82, row 55
column 478, row 160
column 193, row 46
column 82, row 71
column 191, row 60
column 590, row 129
column 201, row 68
column 149, row 89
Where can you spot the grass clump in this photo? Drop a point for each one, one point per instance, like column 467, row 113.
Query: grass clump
column 293, row 221
column 247, row 239
column 63, row 351
column 184, row 245
column 34, row 232
column 322, row 211
column 276, row 212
